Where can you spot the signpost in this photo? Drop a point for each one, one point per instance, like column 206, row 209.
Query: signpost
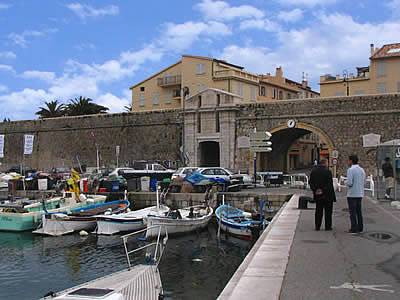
column 1, row 145
column 117, row 150
column 259, row 142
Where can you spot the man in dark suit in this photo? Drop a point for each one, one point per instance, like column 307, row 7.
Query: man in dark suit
column 321, row 184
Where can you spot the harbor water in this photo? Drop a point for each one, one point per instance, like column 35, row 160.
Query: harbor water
column 195, row 266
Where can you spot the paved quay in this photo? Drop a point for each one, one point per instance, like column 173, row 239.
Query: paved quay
column 293, row 261
column 338, row 265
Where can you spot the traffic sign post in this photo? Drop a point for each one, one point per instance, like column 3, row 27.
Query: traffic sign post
column 259, row 142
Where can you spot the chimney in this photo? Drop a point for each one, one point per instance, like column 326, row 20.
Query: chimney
column 304, row 82
column 372, row 49
column 279, row 72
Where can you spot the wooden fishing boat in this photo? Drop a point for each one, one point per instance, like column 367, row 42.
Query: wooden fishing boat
column 180, row 221
column 82, row 218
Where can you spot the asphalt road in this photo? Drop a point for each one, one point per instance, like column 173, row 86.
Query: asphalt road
column 336, row 265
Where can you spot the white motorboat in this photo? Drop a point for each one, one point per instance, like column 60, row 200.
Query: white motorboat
column 138, row 282
column 83, row 218
column 127, row 222
column 180, row 221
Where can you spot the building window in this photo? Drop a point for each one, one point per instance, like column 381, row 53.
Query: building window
column 156, row 99
column 381, row 88
column 200, row 69
column 262, row 91
column 217, row 121
column 359, row 92
column 253, row 92
column 289, row 95
column 273, row 93
column 199, row 102
column 141, row 100
column 380, row 69
column 280, row 95
column 198, row 123
column 176, row 93
column 142, row 88
column 240, row 89
column 218, row 99
column 398, row 86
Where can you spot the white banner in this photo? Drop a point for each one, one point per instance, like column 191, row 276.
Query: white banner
column 1, row 145
column 28, row 144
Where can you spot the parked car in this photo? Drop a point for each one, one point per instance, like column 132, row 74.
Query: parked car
column 183, row 172
column 120, row 171
column 224, row 173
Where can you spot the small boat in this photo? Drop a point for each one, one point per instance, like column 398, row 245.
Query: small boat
column 129, row 221
column 82, row 218
column 237, row 222
column 180, row 221
column 142, row 281
column 24, row 217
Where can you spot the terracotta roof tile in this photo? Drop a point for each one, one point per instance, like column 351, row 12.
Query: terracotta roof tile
column 389, row 50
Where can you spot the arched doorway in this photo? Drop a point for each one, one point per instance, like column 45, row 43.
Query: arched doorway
column 296, row 149
column 209, row 154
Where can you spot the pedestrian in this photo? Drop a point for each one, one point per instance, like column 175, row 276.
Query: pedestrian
column 355, row 192
column 321, row 184
column 387, row 169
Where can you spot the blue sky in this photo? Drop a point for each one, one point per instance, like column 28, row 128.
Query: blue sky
column 62, row 49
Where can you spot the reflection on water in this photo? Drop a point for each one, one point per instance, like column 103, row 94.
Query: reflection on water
column 194, row 266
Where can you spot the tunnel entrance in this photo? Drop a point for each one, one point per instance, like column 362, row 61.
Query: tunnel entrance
column 209, row 154
column 296, row 149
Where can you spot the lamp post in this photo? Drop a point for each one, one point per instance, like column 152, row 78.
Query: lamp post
column 184, row 93
column 346, row 81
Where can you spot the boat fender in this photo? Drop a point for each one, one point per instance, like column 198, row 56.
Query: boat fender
column 83, row 233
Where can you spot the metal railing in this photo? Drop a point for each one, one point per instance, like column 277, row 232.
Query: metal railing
column 236, row 73
column 299, row 180
column 159, row 245
column 169, row 80
column 369, row 184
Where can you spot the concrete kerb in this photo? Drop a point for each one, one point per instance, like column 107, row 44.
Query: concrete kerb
column 262, row 272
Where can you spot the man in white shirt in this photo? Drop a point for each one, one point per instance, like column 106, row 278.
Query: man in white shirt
column 355, row 192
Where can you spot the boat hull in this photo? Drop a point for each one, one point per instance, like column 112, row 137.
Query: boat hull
column 174, row 226
column 60, row 226
column 27, row 221
column 127, row 222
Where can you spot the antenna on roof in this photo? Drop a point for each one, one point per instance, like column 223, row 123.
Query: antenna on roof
column 303, row 77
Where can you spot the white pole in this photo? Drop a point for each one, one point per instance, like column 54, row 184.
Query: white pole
column 97, row 159
column 157, row 197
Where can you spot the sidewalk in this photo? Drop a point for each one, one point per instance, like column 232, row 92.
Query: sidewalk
column 336, row 265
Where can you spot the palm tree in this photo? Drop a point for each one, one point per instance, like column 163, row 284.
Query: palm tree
column 52, row 109
column 84, row 106
column 128, row 108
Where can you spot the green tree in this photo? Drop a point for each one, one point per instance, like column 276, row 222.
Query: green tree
column 84, row 106
column 52, row 109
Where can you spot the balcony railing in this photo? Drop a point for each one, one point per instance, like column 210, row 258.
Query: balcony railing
column 169, row 80
column 220, row 74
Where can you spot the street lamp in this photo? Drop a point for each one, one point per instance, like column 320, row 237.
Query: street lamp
column 346, row 81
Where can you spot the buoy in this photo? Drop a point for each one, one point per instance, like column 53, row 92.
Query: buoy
column 83, row 233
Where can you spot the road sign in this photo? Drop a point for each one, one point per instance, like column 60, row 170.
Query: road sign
column 335, row 154
column 260, row 135
column 261, row 144
column 261, row 149
column 334, row 161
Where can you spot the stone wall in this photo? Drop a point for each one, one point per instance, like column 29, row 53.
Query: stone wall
column 344, row 121
column 58, row 141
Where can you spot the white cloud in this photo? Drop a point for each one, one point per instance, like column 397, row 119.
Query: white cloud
column 308, row 3
column 85, row 46
column 22, row 39
column 6, row 68
column 3, row 88
column 7, row 55
column 261, row 24
column 114, row 103
column 332, row 43
column 84, row 11
column 33, row 74
column 293, row 15
column 179, row 37
column 221, row 10
column 4, row 6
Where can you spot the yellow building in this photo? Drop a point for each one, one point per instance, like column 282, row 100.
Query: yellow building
column 381, row 76
column 163, row 90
